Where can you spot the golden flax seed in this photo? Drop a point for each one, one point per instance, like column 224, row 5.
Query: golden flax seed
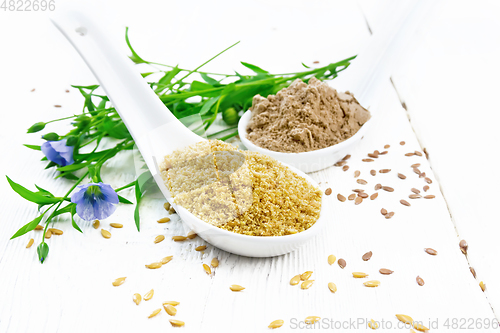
column 173, row 303
column 374, row 196
column 430, row 251
column 420, row 327
column 409, row 154
column 159, row 238
column 358, row 200
column 276, row 324
column 235, row 287
column 191, row 235
column 176, row 323
column 207, row 269
column 404, row 202
column 39, row 227
column 166, row 260
column 428, row 180
column 402, row 143
column 463, row 246
column 295, row 280
column 357, row 173
column 373, row 172
column 119, row 281
column 420, row 281
column 384, row 152
column 345, row 168
column 367, row 160
column 363, row 195
column 429, row 196
column 154, row 313
column 311, row 320
column 170, row 309
column 105, row 233
column 373, row 324
column 342, row 263
column 179, row 238
column 331, row 259
column 385, row 271
column 384, row 171
column 414, row 190
column 306, row 275
column 426, row 188
column 359, row 275
column 378, row 187
column 340, row 163
column 418, row 153
column 373, row 155
column 383, row 211
column 482, row 285
column 116, row 225
column 352, row 196
column 167, row 206
column 48, row 234
column 164, row 220
column 414, row 196
column 201, row 248
column 332, row 287
column 149, row 295
column 367, row 256
column 306, row 284
column 328, row 191
column 372, row 283
column 388, row 188
column 473, row 271
column 346, row 157
column 387, row 146
column 214, row 262
column 154, row 265
column 404, row 318
column 361, row 181
column 137, row 298
column 416, row 165
column 401, row 176
column 389, row 215
column 341, row 197
column 31, row 241
column 55, row 231
column 96, row 224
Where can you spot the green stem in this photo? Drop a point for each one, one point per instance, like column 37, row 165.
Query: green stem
column 125, row 186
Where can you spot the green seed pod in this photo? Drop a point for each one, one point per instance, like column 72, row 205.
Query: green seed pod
column 71, row 140
column 230, row 116
column 51, row 136
column 36, row 127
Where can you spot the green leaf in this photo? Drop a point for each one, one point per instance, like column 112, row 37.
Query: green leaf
column 36, row 127
column 125, row 201
column 208, row 105
column 43, row 251
column 29, row 195
column 254, row 68
column 69, row 176
column 147, row 74
column 71, row 140
column 73, row 167
column 92, row 87
column 28, row 227
column 73, row 223
column 166, row 79
column 138, row 196
column 134, row 57
column 66, row 209
column 34, row 147
column 203, row 89
column 44, row 192
column 51, row 136
column 305, row 65
column 209, row 80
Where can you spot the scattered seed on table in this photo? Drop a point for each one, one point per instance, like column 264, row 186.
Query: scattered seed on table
column 418, row 153
column 463, row 246
column 352, row 196
column 179, row 238
column 428, row 180
column 119, row 281
column 384, row 152
column 385, row 271
column 372, row 283
column 149, row 295
column 154, row 313
column 389, row 215
column 358, row 200
column 176, row 323
column 331, row 259
column 420, row 327
column 367, row 160
column 306, row 275
column 429, row 196
column 342, row 263
column 32, row 89
column 276, row 324
column 214, row 262
column 482, row 285
column 363, row 195
column 166, row 260
column 328, row 191
column 373, row 155
column 191, row 234
column 387, row 188
column 378, row 187
column 420, row 281
column 306, row 284
column 105, row 233
column 137, row 298
column 404, row 202
column 374, row 196
column 96, row 224
column 167, row 206
column 295, row 280
column 312, row 319
column 346, row 157
column 357, row 190
column 159, row 239
column 361, row 181
column 164, row 220
column 341, row 197
column 409, row 154
column 402, row 143
column 345, row 168
column 58, row 106
column 48, row 234
column 373, row 324
column 421, row 175
column 414, row 190
column 207, row 269
column 154, row 265
column 426, row 188
column 416, row 165
column 39, row 227
column 116, row 225
column 332, row 287
column 383, row 211
column 387, row 146
column 201, row 248
column 405, row 319
column 356, row 173
column 367, row 256
column 414, row 196
column 430, row 251
column 473, row 271
column 236, row 287
column 170, row 310
column 31, row 241
column 401, row 176
column 373, row 172
column 173, row 303
column 359, row 275
column 55, row 231
column 384, row 170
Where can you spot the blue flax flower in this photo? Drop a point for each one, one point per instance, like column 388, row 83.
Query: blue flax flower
column 58, row 152
column 95, row 201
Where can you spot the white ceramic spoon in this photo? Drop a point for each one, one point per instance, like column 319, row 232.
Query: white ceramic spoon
column 157, row 132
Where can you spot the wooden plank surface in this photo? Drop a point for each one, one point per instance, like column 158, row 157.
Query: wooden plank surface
column 72, row 291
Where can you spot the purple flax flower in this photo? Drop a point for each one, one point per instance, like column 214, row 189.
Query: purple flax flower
column 95, row 201
column 58, row 152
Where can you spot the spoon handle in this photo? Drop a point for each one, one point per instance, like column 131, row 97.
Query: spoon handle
column 138, row 106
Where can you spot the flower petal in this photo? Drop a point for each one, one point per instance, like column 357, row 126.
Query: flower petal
column 85, row 209
column 51, row 154
column 103, row 209
column 109, row 193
